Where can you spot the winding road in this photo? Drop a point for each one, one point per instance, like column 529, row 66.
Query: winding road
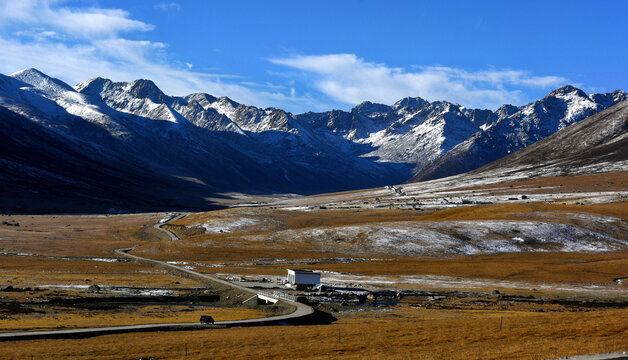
column 172, row 235
column 301, row 311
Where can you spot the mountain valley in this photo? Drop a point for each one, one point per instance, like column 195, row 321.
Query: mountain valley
column 114, row 146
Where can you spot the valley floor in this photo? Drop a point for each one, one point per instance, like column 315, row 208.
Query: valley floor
column 475, row 272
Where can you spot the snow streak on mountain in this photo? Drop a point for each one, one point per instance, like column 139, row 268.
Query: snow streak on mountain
column 130, row 146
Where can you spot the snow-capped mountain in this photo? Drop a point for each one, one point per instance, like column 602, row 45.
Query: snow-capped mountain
column 118, row 142
column 412, row 131
column 598, row 143
column 529, row 124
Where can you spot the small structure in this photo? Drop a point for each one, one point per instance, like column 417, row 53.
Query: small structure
column 303, row 279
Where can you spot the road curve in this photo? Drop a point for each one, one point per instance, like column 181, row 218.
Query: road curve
column 301, row 310
column 172, row 236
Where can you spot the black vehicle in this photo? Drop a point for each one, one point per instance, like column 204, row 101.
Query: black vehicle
column 206, row 319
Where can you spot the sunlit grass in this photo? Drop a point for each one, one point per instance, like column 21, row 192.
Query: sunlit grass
column 400, row 334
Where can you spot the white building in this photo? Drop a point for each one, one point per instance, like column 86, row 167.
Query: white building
column 300, row 279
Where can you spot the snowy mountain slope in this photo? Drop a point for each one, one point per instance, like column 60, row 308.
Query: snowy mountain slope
column 412, row 131
column 44, row 171
column 268, row 136
column 50, row 101
column 596, row 144
column 135, row 130
column 533, row 122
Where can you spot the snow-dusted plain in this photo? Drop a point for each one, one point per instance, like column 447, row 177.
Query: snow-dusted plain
column 225, row 226
column 449, row 282
column 441, row 238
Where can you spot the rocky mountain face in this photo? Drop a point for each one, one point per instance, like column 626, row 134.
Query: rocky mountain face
column 596, row 144
column 130, row 146
column 520, row 127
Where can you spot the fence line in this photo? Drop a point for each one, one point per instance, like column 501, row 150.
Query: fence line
column 278, row 295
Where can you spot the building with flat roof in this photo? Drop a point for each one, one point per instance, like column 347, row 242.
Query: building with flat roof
column 303, row 279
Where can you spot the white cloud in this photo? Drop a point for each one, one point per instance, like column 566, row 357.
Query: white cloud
column 76, row 44
column 120, row 60
column 349, row 79
column 80, row 23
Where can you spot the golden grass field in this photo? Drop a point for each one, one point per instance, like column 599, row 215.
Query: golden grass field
column 402, row 333
column 25, row 271
column 54, row 318
column 407, row 330
column 86, row 235
column 613, row 181
column 599, row 267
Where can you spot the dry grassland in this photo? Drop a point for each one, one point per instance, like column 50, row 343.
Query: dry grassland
column 26, row 271
column 551, row 267
column 613, row 181
column 57, row 318
column 529, row 211
column 87, row 235
column 402, row 333
column 233, row 247
column 277, row 219
column 599, row 268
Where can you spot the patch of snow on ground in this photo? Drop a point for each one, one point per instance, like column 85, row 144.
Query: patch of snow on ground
column 299, row 208
column 228, row 225
column 452, row 237
column 105, row 259
column 68, row 286
column 449, row 282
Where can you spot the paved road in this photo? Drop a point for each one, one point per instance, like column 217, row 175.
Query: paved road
column 158, row 226
column 301, row 310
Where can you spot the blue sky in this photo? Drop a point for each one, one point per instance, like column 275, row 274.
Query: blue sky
column 321, row 55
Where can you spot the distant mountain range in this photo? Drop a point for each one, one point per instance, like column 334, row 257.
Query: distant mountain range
column 128, row 146
column 596, row 144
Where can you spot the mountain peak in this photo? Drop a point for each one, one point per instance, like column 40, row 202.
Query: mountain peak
column 202, row 98
column 568, row 89
column 412, row 103
column 143, row 88
column 610, row 98
column 28, row 72
column 41, row 81
column 93, row 86
column 506, row 110
column 225, row 100
column 368, row 108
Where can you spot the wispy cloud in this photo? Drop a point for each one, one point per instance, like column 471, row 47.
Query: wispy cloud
column 121, row 60
column 76, row 44
column 349, row 79
column 79, row 22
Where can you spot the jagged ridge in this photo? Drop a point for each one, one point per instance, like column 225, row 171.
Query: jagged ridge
column 222, row 145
